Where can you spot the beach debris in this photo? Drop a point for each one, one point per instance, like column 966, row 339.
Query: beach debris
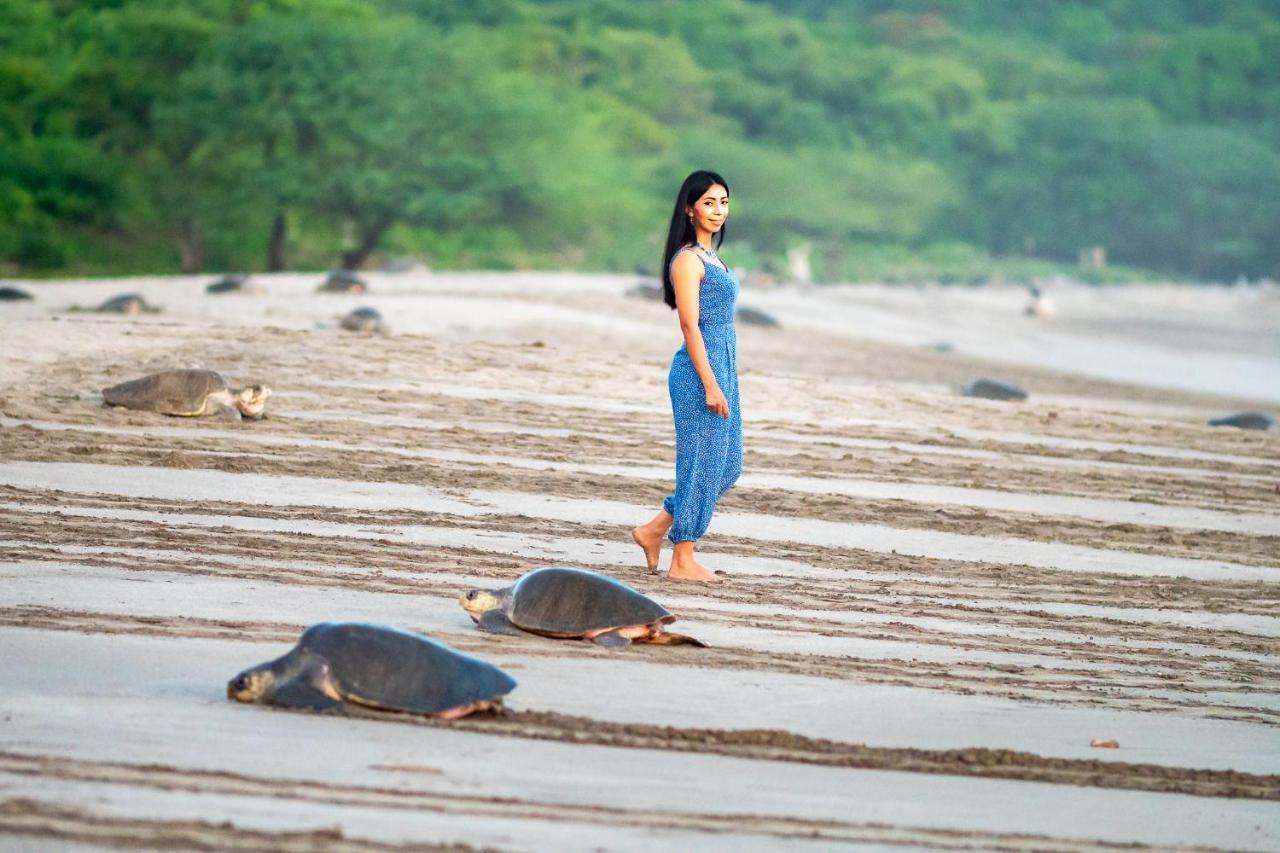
column 189, row 394
column 14, row 294
column 756, row 317
column 127, row 303
column 350, row 663
column 1104, row 743
column 940, row 347
column 645, row 290
column 558, row 601
column 993, row 389
column 365, row 320
column 1245, row 420
column 343, row 281
column 231, row 284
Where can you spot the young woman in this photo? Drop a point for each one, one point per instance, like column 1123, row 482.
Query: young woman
column 704, row 376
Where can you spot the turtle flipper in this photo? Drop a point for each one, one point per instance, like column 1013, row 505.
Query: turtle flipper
column 227, row 413
column 667, row 638
column 496, row 622
column 300, row 694
column 611, row 639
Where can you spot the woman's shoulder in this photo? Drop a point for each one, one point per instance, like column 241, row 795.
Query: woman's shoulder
column 686, row 260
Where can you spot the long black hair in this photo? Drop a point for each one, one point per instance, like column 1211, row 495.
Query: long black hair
column 681, row 230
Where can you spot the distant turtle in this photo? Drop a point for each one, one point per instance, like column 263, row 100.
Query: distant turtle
column 645, row 290
column 1245, row 420
column 127, row 303
column 343, row 281
column 993, row 389
column 364, row 319
column 13, row 294
column 756, row 317
column 350, row 663
column 230, row 284
column 562, row 602
column 190, row 394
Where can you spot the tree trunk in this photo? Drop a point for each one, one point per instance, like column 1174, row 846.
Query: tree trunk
column 369, row 238
column 191, row 245
column 275, row 249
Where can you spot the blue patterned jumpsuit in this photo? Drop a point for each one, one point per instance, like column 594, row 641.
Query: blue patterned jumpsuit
column 708, row 446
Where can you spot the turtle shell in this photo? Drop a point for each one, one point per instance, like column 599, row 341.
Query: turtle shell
column 364, row 319
column 570, row 602
column 170, row 392
column 125, row 303
column 993, row 389
column 388, row 668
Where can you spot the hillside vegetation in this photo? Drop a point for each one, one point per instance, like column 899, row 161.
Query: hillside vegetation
column 949, row 138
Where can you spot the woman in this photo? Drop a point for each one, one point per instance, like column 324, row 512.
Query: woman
column 704, row 376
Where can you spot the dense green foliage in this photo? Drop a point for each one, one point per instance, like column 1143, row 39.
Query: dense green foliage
column 894, row 137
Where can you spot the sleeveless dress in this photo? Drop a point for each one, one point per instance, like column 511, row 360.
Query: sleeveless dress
column 708, row 447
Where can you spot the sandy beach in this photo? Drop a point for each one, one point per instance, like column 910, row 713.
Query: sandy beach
column 937, row 602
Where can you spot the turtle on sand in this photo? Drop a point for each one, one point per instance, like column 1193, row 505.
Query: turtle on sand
column 127, row 303
column 364, row 319
column 1245, row 420
column 645, row 290
column 190, row 394
column 993, row 389
column 231, row 284
column 556, row 601
column 14, row 294
column 755, row 317
column 343, row 281
column 336, row 664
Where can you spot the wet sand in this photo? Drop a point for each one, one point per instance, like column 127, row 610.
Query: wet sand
column 937, row 602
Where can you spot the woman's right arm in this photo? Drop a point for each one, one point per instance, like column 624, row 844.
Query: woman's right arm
column 686, row 277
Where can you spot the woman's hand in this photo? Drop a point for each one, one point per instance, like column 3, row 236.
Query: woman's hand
column 716, row 401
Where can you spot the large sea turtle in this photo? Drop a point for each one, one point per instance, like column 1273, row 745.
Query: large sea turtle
column 127, row 303
column 556, row 601
column 340, row 663
column 231, row 284
column 749, row 316
column 343, row 281
column 1245, row 420
column 364, row 319
column 993, row 389
column 189, row 394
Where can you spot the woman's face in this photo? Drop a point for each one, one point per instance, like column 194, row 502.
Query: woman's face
column 711, row 210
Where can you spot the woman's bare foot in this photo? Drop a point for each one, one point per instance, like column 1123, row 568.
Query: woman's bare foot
column 650, row 542
column 685, row 568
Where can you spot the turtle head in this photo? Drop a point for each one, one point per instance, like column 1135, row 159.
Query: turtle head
column 252, row 399
column 478, row 602
column 252, row 685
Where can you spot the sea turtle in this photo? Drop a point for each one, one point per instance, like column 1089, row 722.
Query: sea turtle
column 188, row 393
column 645, row 290
column 755, row 317
column 127, row 303
column 364, row 319
column 993, row 389
column 1246, row 420
column 340, row 663
column 556, row 601
column 13, row 294
column 343, row 281
column 230, row 284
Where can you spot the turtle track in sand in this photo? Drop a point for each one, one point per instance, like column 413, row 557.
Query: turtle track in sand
column 32, row 818
column 223, row 455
